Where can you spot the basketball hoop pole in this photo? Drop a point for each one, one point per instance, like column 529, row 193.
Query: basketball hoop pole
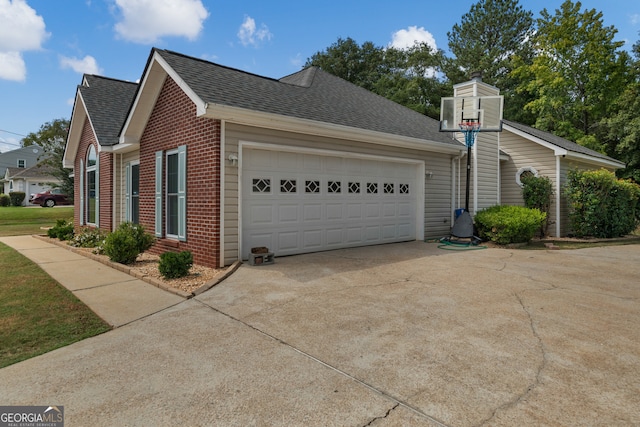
column 470, row 131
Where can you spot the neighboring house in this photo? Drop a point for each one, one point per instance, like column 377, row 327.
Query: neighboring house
column 32, row 180
column 217, row 161
column 23, row 158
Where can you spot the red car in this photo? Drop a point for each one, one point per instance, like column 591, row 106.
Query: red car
column 50, row 198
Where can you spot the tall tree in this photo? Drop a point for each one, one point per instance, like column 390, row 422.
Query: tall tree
column 622, row 127
column 578, row 71
column 487, row 39
column 52, row 137
column 406, row 76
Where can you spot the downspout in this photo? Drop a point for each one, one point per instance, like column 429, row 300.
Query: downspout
column 558, row 190
column 223, row 168
column 475, row 160
column 114, row 181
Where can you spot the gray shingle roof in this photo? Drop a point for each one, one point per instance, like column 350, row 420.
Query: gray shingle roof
column 107, row 102
column 309, row 94
column 556, row 140
column 37, row 171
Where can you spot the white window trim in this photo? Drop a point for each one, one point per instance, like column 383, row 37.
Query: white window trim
column 24, row 163
column 161, row 194
column 523, row 170
column 95, row 168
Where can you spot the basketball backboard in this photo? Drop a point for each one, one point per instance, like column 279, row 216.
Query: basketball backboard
column 487, row 110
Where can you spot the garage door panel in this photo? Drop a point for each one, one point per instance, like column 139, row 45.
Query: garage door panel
column 312, row 212
column 301, row 202
column 288, row 213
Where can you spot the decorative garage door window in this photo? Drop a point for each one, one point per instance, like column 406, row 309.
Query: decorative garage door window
column 261, row 185
column 354, row 188
column 334, row 186
column 404, row 188
column 372, row 188
column 312, row 187
column 288, row 186
column 388, row 188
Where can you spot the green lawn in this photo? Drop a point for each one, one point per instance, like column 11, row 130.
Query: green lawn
column 15, row 221
column 38, row 315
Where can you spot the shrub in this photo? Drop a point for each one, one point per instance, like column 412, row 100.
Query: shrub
column 508, row 224
column 126, row 243
column 63, row 230
column 5, row 200
column 537, row 192
column 601, row 205
column 17, row 197
column 88, row 238
column 174, row 265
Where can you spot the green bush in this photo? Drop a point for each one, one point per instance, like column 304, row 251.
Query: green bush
column 126, row 243
column 17, row 197
column 537, row 192
column 508, row 224
column 600, row 205
column 5, row 200
column 63, row 230
column 174, row 265
column 88, row 238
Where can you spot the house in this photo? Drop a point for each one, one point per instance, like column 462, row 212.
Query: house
column 31, row 180
column 23, row 157
column 217, row 161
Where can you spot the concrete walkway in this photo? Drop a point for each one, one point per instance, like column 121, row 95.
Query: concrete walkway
column 392, row 335
column 115, row 296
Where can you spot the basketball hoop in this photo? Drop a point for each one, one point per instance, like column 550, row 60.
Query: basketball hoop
column 470, row 129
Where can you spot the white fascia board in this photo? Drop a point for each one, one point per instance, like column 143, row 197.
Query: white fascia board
column 586, row 158
column 147, row 96
column 312, row 127
column 558, row 151
column 78, row 115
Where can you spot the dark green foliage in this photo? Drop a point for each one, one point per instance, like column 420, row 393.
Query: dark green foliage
column 5, row 200
column 127, row 242
column 173, row 265
column 63, row 230
column 508, row 224
column 537, row 192
column 601, row 205
column 17, row 197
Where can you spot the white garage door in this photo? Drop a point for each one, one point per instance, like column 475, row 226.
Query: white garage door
column 299, row 202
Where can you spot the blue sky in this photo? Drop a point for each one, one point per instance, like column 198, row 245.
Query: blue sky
column 46, row 45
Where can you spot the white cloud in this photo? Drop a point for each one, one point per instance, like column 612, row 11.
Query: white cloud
column 146, row 21
column 634, row 18
column 86, row 65
column 250, row 34
column 403, row 39
column 21, row 29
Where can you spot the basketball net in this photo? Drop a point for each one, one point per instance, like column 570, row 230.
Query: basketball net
column 470, row 129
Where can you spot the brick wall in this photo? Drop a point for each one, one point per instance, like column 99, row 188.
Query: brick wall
column 106, row 191
column 172, row 123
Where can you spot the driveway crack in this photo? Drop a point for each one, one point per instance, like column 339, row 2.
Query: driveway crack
column 517, row 399
column 382, row 417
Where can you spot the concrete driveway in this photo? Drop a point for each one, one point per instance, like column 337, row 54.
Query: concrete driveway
column 403, row 334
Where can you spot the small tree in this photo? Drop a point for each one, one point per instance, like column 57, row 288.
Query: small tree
column 537, row 192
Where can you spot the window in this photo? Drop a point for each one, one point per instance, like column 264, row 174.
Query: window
column 523, row 172
column 404, row 188
column 132, row 207
column 388, row 188
column 312, row 186
column 22, row 163
column 91, row 196
column 372, row 188
column 261, row 185
column 288, row 186
column 354, row 187
column 334, row 186
column 171, row 193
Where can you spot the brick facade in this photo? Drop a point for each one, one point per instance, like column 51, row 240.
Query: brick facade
column 172, row 123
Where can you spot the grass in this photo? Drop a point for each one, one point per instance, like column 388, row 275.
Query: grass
column 17, row 221
column 38, row 315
